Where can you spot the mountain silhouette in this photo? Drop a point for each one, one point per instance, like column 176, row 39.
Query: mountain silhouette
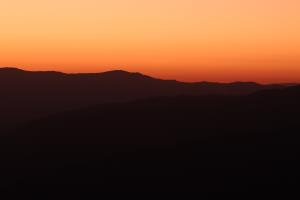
column 210, row 143
column 27, row 95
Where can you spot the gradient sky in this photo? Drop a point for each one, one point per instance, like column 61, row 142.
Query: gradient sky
column 189, row 40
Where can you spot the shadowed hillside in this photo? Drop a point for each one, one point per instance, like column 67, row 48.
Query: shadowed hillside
column 210, row 143
column 27, row 95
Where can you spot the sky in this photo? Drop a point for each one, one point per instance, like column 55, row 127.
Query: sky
column 187, row 40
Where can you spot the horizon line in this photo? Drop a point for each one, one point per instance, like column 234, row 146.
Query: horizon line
column 136, row 72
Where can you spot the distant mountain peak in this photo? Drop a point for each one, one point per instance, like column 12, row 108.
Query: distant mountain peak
column 116, row 71
column 14, row 70
column 123, row 73
column 11, row 69
column 119, row 71
column 245, row 83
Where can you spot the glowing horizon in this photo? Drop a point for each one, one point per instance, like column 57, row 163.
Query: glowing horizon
column 186, row 40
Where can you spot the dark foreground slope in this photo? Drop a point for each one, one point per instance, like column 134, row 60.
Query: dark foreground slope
column 212, row 143
column 27, row 95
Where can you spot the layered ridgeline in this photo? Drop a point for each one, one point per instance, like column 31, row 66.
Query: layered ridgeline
column 27, row 95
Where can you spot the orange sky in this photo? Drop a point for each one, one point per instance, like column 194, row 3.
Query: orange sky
column 189, row 40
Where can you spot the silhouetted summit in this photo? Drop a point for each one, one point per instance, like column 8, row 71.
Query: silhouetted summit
column 16, row 71
column 10, row 69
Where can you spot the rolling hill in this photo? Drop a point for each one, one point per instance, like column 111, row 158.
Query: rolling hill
column 27, row 95
column 211, row 143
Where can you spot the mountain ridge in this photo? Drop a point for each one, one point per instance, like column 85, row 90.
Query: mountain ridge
column 27, row 95
column 124, row 72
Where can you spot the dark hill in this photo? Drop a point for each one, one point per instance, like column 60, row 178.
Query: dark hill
column 210, row 143
column 27, row 95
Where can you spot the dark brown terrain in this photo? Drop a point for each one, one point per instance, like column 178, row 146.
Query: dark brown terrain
column 129, row 132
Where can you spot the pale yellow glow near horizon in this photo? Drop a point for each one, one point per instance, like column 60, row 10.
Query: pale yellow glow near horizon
column 190, row 40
